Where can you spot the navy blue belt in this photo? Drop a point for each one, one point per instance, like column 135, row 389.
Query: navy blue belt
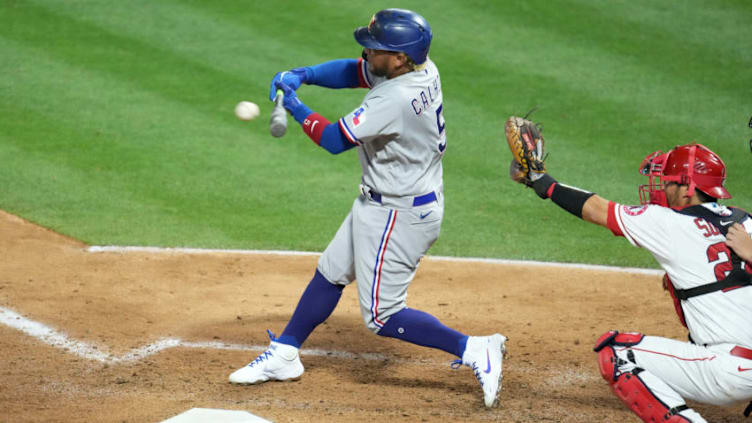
column 417, row 201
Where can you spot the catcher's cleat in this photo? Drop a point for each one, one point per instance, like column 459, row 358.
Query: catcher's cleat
column 484, row 354
column 279, row 362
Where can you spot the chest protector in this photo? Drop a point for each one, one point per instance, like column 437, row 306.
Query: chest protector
column 736, row 278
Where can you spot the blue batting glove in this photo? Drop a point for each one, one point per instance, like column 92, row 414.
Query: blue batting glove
column 292, row 78
column 292, row 103
column 291, row 98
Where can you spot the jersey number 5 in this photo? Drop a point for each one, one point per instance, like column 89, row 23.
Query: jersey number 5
column 440, row 125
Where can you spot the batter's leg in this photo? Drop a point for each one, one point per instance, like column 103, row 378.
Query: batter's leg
column 421, row 328
column 389, row 244
column 281, row 360
column 318, row 302
column 483, row 354
column 334, row 271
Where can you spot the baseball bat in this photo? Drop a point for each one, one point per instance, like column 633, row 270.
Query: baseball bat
column 278, row 121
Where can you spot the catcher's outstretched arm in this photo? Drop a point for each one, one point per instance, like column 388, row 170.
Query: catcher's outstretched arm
column 581, row 203
column 595, row 210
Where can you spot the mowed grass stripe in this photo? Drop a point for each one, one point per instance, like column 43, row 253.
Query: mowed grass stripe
column 250, row 43
column 169, row 179
column 596, row 101
column 699, row 24
column 602, row 136
column 597, row 142
column 636, row 83
column 180, row 29
column 588, row 114
column 148, row 66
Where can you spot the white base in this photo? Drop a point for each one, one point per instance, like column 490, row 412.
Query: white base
column 203, row 415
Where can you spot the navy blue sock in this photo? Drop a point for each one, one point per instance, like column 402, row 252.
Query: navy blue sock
column 421, row 328
column 315, row 305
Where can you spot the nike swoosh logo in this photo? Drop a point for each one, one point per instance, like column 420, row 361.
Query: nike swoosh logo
column 315, row 122
column 741, row 369
column 726, row 222
column 488, row 357
column 423, row 216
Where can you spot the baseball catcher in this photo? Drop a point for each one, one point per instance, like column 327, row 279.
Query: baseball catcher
column 703, row 246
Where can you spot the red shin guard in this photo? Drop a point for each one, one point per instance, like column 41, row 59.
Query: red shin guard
column 628, row 386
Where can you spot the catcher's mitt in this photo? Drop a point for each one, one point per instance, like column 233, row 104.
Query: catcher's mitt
column 527, row 145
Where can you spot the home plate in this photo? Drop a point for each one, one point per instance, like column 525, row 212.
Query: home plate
column 204, row 415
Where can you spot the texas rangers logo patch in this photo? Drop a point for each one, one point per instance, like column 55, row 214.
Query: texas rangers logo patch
column 359, row 116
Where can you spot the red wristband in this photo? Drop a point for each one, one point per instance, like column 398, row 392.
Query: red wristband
column 314, row 125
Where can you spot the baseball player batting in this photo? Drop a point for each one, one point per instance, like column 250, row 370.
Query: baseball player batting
column 681, row 223
column 399, row 133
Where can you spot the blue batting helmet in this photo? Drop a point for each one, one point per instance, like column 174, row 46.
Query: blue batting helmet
column 397, row 30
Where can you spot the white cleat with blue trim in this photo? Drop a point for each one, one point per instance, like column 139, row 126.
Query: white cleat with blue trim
column 279, row 362
column 485, row 354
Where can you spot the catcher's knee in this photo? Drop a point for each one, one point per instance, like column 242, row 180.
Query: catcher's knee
column 624, row 379
column 607, row 360
column 613, row 337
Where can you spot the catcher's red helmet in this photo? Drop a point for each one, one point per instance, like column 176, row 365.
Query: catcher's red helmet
column 691, row 164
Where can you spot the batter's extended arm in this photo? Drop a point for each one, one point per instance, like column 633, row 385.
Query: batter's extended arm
column 324, row 133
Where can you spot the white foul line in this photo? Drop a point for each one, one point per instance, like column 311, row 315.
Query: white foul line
column 159, row 250
column 85, row 350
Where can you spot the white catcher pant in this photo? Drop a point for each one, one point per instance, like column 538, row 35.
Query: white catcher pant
column 676, row 370
column 380, row 247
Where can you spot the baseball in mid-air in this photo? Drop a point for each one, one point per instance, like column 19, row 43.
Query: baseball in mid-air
column 245, row 110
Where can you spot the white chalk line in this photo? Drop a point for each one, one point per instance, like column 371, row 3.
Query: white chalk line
column 91, row 352
column 579, row 266
column 88, row 351
column 100, row 354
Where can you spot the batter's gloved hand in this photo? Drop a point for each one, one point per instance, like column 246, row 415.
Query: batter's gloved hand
column 527, row 145
column 292, row 103
column 293, row 78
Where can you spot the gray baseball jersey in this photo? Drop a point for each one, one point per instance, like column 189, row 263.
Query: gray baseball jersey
column 400, row 130
column 400, row 133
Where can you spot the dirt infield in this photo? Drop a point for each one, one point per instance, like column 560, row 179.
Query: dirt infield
column 141, row 337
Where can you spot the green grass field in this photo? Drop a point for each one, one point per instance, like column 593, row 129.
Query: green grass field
column 117, row 125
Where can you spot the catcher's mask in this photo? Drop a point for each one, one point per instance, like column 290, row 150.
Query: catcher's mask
column 691, row 164
column 397, row 30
